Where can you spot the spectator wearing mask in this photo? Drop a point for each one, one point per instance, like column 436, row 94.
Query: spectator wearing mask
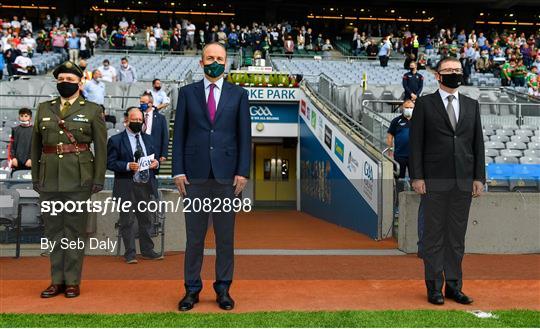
column 73, row 46
column 23, row 64
column 327, row 49
column 356, row 43
column 108, row 73
column 483, row 63
column 289, row 46
column 413, row 82
column 519, row 73
column 94, row 89
column 58, row 42
column 87, row 75
column 177, row 44
column 155, row 125
column 481, row 40
column 21, row 141
column 506, row 72
column 160, row 98
column 127, row 73
column 92, row 40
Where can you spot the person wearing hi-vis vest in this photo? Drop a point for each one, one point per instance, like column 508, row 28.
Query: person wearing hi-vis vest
column 65, row 170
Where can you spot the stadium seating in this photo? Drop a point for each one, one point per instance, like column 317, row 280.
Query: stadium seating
column 347, row 72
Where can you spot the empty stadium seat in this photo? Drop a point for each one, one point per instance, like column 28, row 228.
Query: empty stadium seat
column 491, row 152
column 499, row 138
column 511, row 153
column 516, row 146
column 519, row 138
column 501, row 159
column 505, row 132
column 494, row 145
column 524, row 132
column 529, row 160
column 534, row 146
column 532, row 153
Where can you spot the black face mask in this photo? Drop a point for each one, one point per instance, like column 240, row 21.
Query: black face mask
column 67, row 89
column 452, row 80
column 136, row 127
column 157, row 88
column 82, row 67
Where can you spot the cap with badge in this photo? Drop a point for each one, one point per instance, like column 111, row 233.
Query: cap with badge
column 68, row 67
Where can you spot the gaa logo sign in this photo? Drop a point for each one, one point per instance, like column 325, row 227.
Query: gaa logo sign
column 260, row 111
column 368, row 171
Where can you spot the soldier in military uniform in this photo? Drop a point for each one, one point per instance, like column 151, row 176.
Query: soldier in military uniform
column 66, row 170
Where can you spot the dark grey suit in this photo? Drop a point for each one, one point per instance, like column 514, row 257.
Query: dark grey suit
column 448, row 161
column 119, row 154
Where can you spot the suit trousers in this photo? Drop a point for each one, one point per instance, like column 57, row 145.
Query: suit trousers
column 139, row 192
column 196, row 228
column 66, row 263
column 445, row 224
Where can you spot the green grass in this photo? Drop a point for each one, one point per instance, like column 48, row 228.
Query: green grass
column 514, row 318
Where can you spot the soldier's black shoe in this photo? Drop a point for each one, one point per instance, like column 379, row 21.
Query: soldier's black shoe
column 53, row 290
column 189, row 300
column 72, row 291
column 225, row 301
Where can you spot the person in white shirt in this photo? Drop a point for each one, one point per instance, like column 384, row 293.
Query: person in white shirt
column 22, row 63
column 15, row 24
column 30, row 41
column 158, row 34
column 190, row 35
column 161, row 100
column 108, row 72
column 123, row 23
column 152, row 42
column 92, row 37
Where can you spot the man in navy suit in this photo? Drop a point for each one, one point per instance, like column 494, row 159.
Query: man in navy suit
column 155, row 125
column 123, row 151
column 211, row 159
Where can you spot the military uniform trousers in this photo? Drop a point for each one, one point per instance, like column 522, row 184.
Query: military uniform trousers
column 66, row 263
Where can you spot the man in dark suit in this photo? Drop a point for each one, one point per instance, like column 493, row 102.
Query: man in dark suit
column 123, row 152
column 155, row 125
column 211, row 159
column 447, row 168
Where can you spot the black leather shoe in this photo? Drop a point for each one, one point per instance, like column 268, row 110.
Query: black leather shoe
column 436, row 298
column 152, row 255
column 225, row 301
column 189, row 300
column 458, row 296
column 53, row 290
column 72, row 291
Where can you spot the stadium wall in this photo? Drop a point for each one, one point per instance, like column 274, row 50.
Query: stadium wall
column 499, row 223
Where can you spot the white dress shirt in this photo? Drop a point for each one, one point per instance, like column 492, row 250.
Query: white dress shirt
column 217, row 90
column 455, row 101
column 133, row 143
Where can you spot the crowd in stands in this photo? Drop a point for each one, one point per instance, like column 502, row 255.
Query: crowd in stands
column 513, row 56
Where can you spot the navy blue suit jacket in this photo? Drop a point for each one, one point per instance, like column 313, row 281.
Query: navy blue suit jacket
column 160, row 134
column 119, row 153
column 223, row 146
